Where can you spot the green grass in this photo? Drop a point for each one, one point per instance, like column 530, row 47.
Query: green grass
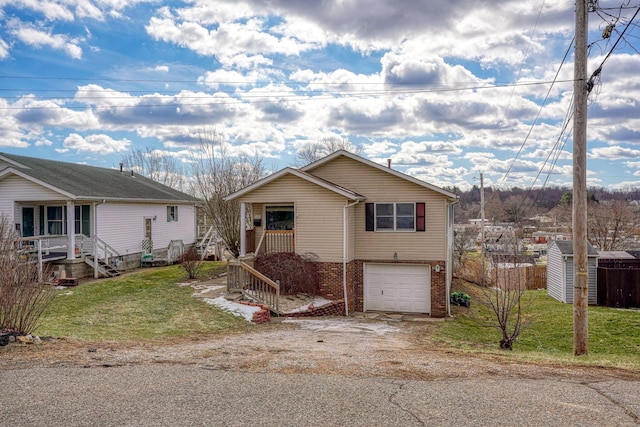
column 614, row 334
column 145, row 305
column 149, row 305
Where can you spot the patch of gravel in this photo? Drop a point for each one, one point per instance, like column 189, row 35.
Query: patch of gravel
column 348, row 346
column 326, row 346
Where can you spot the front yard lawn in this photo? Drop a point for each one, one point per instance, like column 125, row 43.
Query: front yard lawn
column 143, row 305
column 614, row 334
column 149, row 305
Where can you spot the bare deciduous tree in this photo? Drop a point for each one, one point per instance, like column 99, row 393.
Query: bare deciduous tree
column 23, row 296
column 464, row 242
column 505, row 295
column 217, row 172
column 317, row 150
column 610, row 224
column 494, row 209
column 156, row 165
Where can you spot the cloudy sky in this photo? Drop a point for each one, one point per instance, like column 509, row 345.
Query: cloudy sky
column 447, row 89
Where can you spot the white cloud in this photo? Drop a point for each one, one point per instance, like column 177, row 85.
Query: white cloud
column 225, row 37
column 43, row 142
column 36, row 37
column 101, row 144
column 614, row 153
column 4, row 49
column 52, row 10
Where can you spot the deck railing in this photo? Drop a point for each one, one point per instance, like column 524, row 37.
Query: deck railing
column 41, row 249
column 95, row 246
column 253, row 284
column 276, row 241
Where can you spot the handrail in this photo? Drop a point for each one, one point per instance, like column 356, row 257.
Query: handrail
column 205, row 242
column 259, row 275
column 259, row 247
column 253, row 284
column 97, row 246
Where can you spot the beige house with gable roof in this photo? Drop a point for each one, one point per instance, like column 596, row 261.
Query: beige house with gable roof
column 383, row 238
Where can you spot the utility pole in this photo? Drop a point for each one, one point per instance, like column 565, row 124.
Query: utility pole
column 580, row 266
column 482, row 225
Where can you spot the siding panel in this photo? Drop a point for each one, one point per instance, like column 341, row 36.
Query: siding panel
column 121, row 225
column 16, row 188
column 318, row 214
column 555, row 274
column 379, row 186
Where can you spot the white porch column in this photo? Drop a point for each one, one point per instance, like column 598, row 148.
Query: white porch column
column 243, row 229
column 71, row 229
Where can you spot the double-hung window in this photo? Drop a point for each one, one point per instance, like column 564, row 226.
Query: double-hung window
column 409, row 216
column 172, row 213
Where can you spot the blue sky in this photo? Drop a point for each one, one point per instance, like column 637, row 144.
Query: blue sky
column 447, row 89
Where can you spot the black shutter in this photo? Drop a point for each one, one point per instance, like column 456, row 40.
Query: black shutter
column 420, row 217
column 370, row 215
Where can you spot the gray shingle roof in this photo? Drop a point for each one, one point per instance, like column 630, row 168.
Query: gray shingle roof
column 566, row 247
column 91, row 182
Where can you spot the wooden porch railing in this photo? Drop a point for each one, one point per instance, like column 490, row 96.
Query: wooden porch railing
column 253, row 284
column 276, row 241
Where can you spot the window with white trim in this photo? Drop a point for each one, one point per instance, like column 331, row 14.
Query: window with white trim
column 399, row 216
column 172, row 213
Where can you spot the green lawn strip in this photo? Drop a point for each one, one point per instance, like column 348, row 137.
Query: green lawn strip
column 614, row 334
column 144, row 305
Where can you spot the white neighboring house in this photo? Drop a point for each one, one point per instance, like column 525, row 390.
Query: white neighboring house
column 109, row 212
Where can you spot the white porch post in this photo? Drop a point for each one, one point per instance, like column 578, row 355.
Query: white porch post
column 71, row 229
column 243, row 229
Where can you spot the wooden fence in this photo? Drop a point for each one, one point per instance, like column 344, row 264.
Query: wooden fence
column 537, row 277
column 531, row 277
column 619, row 287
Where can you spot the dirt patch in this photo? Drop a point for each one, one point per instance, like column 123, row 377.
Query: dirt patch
column 327, row 346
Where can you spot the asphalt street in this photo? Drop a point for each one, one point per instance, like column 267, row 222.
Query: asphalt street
column 192, row 395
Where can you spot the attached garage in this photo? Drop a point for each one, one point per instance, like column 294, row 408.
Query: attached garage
column 404, row 288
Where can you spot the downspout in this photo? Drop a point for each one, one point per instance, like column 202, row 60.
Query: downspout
column 344, row 255
column 449, row 271
column 243, row 230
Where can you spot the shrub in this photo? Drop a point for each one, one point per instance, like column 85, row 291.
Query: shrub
column 296, row 273
column 23, row 296
column 460, row 298
column 191, row 263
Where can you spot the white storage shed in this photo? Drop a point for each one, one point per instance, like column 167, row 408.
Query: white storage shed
column 560, row 271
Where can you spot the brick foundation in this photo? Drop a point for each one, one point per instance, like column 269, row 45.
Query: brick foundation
column 331, row 283
column 261, row 316
column 336, row 308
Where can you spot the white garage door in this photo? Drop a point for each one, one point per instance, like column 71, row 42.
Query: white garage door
column 403, row 288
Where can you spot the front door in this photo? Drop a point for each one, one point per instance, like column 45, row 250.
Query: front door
column 28, row 216
column 147, row 228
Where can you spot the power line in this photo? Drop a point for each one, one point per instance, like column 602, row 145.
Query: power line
column 291, row 96
column 544, row 102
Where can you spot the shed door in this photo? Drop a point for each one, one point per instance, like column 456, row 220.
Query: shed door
column 402, row 288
